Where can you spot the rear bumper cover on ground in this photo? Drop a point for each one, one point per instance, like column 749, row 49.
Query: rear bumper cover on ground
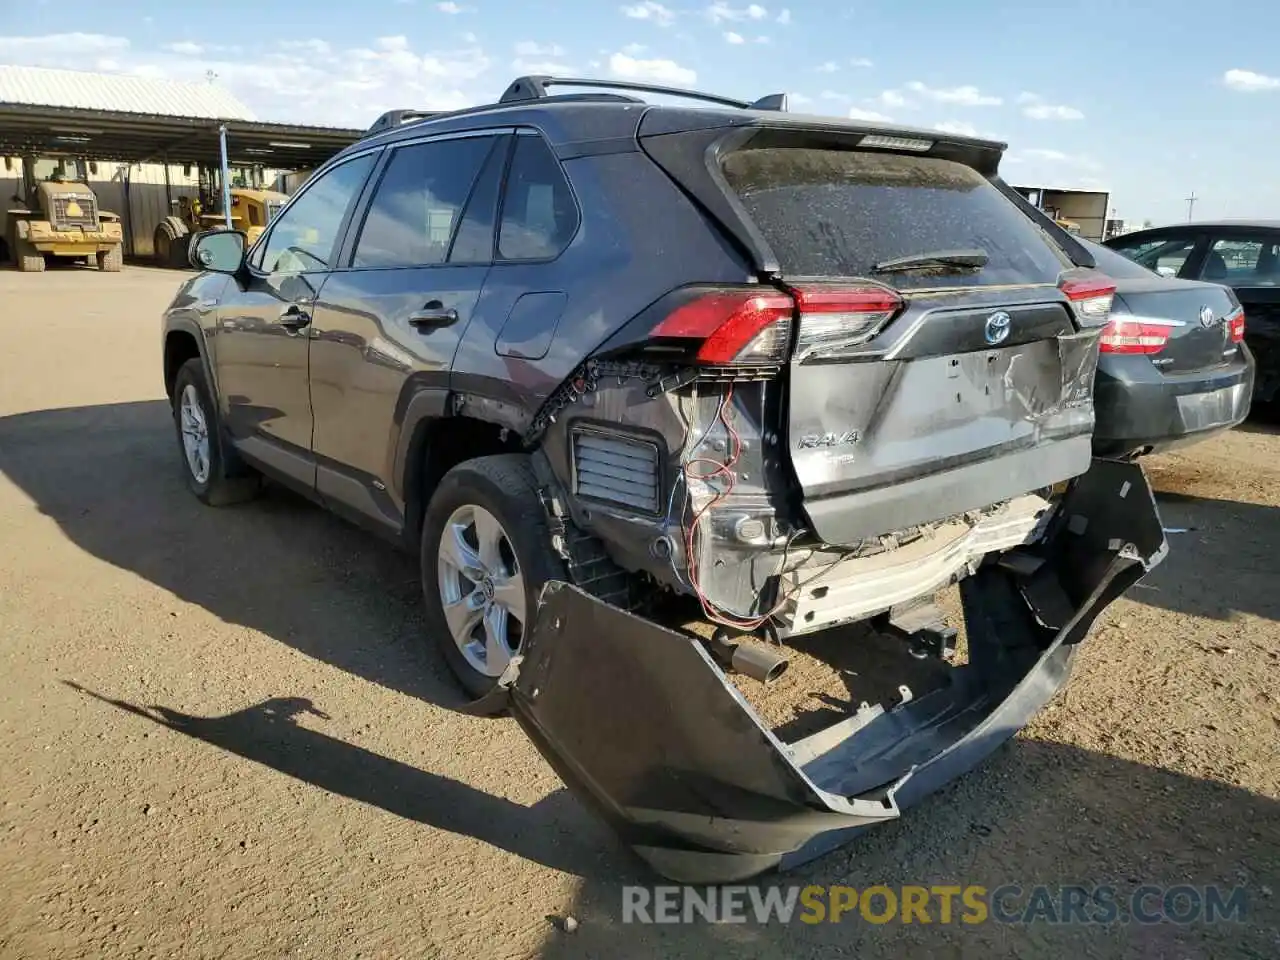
column 640, row 722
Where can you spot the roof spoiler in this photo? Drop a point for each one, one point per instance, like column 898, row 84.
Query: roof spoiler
column 535, row 88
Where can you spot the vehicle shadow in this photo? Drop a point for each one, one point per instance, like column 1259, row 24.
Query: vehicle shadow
column 109, row 476
column 1221, row 558
column 1039, row 812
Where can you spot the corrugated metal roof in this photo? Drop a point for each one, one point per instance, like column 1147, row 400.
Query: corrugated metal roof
column 40, row 86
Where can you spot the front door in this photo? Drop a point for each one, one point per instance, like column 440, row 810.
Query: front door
column 264, row 326
column 388, row 321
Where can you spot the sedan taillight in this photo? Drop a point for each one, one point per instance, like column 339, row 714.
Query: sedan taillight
column 1125, row 335
column 1235, row 325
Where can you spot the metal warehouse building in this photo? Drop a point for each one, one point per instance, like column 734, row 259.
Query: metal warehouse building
column 142, row 139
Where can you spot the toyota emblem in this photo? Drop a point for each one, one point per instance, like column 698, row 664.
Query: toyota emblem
column 998, row 327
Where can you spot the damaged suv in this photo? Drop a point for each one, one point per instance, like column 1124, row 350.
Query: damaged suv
column 585, row 354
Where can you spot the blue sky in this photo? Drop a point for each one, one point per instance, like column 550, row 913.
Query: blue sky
column 1129, row 97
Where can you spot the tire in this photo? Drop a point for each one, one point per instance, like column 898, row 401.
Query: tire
column 29, row 259
column 111, row 261
column 180, row 252
column 503, row 487
column 224, row 479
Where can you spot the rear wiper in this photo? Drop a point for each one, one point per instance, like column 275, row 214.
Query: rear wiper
column 972, row 259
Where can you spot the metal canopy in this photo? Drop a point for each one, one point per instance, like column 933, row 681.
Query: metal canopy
column 140, row 138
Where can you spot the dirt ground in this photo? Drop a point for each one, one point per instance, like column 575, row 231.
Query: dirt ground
column 222, row 734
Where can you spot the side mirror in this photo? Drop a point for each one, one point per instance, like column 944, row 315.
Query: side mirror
column 221, row 251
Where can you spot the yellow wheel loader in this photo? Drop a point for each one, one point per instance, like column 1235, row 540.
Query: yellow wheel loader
column 252, row 208
column 58, row 217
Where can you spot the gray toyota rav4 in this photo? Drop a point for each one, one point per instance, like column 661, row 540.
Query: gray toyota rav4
column 593, row 358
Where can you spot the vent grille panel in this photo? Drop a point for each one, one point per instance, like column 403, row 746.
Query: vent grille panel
column 616, row 469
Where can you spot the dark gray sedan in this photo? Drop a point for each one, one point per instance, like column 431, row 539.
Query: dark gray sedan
column 1173, row 367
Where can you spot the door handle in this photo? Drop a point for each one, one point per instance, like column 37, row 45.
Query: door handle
column 294, row 317
column 432, row 316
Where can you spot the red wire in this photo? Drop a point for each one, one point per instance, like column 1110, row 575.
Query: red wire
column 724, row 469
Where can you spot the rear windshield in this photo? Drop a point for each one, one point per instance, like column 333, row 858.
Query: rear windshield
column 837, row 213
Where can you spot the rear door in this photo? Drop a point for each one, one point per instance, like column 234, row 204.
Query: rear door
column 968, row 361
column 389, row 320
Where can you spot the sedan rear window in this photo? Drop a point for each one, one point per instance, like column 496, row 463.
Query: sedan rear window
column 838, row 213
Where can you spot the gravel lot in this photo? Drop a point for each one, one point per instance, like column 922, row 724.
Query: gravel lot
column 222, row 735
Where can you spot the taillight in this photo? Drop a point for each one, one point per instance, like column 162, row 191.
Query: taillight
column 833, row 319
column 1091, row 295
column 735, row 327
column 1123, row 335
column 1235, row 325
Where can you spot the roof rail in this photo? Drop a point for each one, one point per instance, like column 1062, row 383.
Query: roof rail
column 535, row 88
column 396, row 118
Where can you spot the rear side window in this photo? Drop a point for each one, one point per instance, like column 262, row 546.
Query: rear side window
column 539, row 215
column 410, row 220
column 837, row 213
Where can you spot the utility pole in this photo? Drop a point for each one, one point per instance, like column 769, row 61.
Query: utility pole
column 1191, row 204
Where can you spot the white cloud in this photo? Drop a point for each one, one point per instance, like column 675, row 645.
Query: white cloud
column 784, row 17
column 448, row 6
column 829, row 67
column 1066, row 159
column 832, row 95
column 59, row 45
column 470, row 37
column 185, row 48
column 658, row 71
column 869, row 115
column 1247, row 81
column 650, row 10
column 893, row 99
column 957, row 127
column 1033, row 106
column 296, row 81
column 535, row 68
column 528, row 48
column 763, row 39
column 861, row 62
column 634, row 49
column 723, row 13
column 734, row 38
column 1052, row 111
column 963, row 96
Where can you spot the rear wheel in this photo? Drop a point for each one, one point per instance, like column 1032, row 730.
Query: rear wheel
column 214, row 472
column 486, row 552
column 111, row 261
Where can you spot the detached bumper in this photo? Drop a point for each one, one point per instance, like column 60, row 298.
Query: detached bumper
column 641, row 724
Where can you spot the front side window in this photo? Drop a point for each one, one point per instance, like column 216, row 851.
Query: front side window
column 1242, row 262
column 416, row 205
column 306, row 235
column 539, row 215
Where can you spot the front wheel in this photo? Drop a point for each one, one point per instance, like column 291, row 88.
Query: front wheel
column 486, row 552
column 214, row 474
